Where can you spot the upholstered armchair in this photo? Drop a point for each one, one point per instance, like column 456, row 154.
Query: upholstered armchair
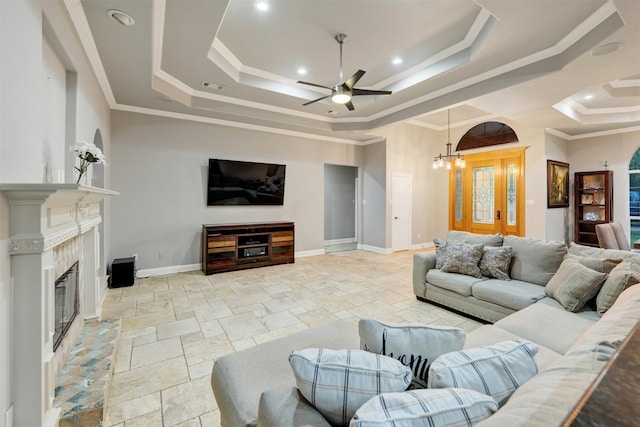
column 611, row 236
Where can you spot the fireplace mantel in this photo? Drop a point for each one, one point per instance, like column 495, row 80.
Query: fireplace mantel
column 43, row 219
column 65, row 210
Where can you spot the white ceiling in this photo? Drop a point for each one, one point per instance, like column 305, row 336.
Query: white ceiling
column 530, row 61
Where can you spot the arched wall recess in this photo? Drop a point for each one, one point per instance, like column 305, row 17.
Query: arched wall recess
column 485, row 135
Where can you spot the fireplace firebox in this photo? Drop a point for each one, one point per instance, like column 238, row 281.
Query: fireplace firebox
column 66, row 303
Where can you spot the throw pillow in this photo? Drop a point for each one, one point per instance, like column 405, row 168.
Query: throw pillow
column 625, row 274
column 462, row 258
column 495, row 262
column 431, row 407
column 603, row 265
column 415, row 346
column 441, row 246
column 338, row 382
column 496, row 370
column 574, row 284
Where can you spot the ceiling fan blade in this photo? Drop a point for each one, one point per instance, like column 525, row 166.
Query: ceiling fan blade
column 313, row 84
column 351, row 81
column 316, row 100
column 350, row 106
column 355, row 92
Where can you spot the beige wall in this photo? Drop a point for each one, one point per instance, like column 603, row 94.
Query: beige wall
column 589, row 154
column 160, row 167
column 411, row 148
column 23, row 151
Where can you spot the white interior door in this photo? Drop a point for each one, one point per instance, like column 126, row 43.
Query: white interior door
column 400, row 211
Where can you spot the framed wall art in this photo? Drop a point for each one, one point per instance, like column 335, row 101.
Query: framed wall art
column 557, row 184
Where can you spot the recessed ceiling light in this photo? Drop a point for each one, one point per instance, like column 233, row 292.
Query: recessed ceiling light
column 396, row 61
column 588, row 97
column 262, row 6
column 302, row 71
column 605, row 49
column 121, row 17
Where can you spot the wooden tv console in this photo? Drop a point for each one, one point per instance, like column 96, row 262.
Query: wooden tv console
column 228, row 247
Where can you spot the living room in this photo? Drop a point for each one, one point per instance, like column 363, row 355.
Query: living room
column 157, row 160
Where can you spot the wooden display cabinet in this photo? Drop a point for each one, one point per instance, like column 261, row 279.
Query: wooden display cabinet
column 593, row 204
column 228, row 247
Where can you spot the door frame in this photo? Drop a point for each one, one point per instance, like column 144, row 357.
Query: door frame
column 465, row 224
column 394, row 229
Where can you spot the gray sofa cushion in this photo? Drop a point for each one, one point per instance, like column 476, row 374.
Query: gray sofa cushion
column 535, row 260
column 549, row 397
column 534, row 323
column 601, row 264
column 576, row 249
column 458, row 283
column 514, row 294
column 492, row 334
column 238, row 379
column 474, row 238
column 285, row 406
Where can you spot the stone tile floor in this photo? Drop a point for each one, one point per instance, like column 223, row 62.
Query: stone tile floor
column 175, row 326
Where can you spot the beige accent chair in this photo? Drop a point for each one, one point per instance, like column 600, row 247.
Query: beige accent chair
column 611, row 236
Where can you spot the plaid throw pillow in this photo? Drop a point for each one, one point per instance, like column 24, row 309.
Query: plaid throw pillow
column 445, row 407
column 338, row 382
column 496, row 370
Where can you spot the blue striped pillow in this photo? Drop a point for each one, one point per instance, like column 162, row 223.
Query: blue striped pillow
column 338, row 382
column 443, row 407
column 496, row 370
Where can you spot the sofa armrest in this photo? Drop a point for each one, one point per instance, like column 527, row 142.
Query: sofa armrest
column 422, row 262
column 285, row 407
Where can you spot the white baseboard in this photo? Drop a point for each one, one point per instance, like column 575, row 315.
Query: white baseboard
column 148, row 272
column 383, row 251
column 313, row 252
column 422, row 245
column 340, row 241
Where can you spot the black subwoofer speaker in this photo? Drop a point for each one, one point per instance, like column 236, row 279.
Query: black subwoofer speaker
column 123, row 272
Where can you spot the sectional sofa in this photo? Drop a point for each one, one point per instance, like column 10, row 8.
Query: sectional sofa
column 257, row 387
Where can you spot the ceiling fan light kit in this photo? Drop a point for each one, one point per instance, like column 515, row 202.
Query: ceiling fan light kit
column 343, row 91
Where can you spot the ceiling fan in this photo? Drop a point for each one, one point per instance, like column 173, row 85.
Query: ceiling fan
column 342, row 92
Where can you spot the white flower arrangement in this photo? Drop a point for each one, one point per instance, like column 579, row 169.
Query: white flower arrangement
column 88, row 153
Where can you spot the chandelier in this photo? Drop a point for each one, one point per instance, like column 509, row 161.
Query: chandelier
column 449, row 160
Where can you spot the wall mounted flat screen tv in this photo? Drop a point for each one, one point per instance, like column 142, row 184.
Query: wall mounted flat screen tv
column 233, row 182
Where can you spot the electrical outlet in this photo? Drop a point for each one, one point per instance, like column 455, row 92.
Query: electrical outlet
column 160, row 255
column 419, row 236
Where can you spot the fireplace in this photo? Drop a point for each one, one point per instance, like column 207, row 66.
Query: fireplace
column 55, row 270
column 65, row 303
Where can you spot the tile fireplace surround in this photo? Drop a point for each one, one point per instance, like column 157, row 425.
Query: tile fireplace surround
column 51, row 227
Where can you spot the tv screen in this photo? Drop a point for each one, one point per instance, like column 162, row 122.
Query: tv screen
column 233, row 182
